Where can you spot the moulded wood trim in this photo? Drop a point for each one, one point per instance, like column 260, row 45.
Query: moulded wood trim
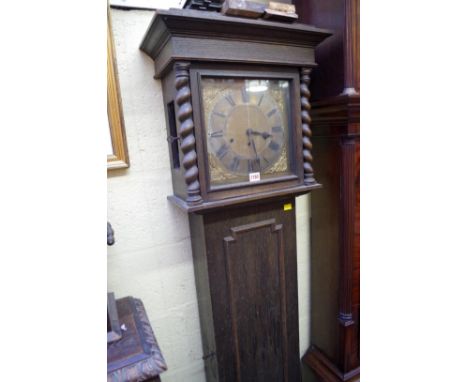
column 336, row 116
column 208, row 36
column 222, row 192
column 224, row 51
column 326, row 370
column 344, row 108
column 194, row 23
column 245, row 199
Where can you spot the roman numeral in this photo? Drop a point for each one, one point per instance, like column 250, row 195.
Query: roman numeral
column 277, row 129
column 222, row 152
column 271, row 112
column 253, row 164
column 250, row 165
column 274, row 146
column 219, row 114
column 230, row 100
column 217, row 134
column 260, row 100
column 234, row 165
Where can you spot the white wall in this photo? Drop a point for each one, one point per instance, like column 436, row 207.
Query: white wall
column 148, row 4
column 152, row 258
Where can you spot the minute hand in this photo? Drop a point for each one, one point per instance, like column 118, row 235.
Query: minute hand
column 250, row 132
column 252, row 143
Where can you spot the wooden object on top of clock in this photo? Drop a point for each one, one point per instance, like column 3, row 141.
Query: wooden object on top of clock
column 280, row 12
column 216, row 5
column 204, row 5
column 335, row 348
column 243, row 8
column 198, row 53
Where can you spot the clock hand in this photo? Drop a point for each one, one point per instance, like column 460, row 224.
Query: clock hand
column 252, row 143
column 264, row 134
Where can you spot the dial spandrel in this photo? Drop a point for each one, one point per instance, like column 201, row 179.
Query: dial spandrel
column 247, row 128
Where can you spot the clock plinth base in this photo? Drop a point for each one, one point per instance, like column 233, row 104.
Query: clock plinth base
column 326, row 369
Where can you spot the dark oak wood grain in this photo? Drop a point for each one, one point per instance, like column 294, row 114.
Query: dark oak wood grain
column 247, row 287
column 208, row 36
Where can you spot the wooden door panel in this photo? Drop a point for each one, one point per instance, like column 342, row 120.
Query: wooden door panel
column 251, row 261
column 256, row 283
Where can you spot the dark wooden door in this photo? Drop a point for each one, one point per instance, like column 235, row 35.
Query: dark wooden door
column 247, row 265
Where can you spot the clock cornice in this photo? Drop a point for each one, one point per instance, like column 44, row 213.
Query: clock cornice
column 208, row 36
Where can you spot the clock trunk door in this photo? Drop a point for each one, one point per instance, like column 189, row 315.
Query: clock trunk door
column 251, row 270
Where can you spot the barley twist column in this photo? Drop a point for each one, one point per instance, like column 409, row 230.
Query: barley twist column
column 186, row 131
column 306, row 130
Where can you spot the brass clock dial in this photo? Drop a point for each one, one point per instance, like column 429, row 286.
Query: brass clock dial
column 247, row 127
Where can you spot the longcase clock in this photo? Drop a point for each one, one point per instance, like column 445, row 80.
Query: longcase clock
column 334, row 354
column 238, row 127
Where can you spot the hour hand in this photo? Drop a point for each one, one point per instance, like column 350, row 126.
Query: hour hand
column 263, row 134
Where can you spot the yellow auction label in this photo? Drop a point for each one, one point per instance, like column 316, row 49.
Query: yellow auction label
column 288, row 207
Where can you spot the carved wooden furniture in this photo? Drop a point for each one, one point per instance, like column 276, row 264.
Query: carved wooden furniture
column 334, row 354
column 237, row 111
column 136, row 356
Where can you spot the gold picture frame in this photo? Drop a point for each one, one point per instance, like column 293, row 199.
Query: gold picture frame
column 119, row 157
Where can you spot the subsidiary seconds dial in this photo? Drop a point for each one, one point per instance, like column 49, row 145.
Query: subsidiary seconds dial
column 245, row 132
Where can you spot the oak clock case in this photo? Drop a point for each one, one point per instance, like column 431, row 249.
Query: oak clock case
column 237, row 111
column 248, row 134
